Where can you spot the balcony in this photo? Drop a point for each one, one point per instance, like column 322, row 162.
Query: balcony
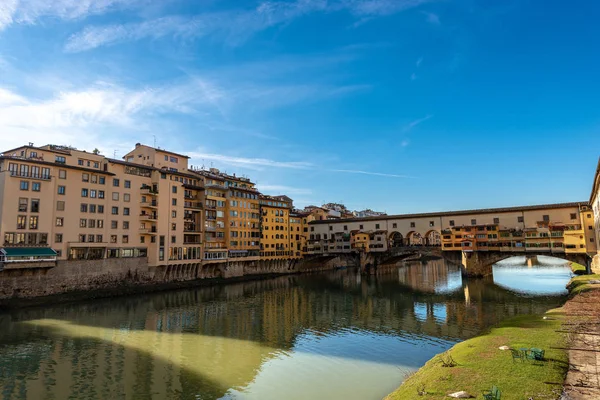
column 30, row 175
column 148, row 217
column 214, row 186
column 193, row 240
column 152, row 231
column 192, row 204
column 148, row 191
column 149, row 204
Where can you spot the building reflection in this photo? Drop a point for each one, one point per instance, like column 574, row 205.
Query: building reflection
column 202, row 343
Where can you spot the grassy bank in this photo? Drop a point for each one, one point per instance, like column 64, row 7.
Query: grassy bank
column 580, row 284
column 578, row 269
column 480, row 364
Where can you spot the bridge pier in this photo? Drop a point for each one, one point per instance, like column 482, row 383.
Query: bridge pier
column 476, row 264
column 532, row 261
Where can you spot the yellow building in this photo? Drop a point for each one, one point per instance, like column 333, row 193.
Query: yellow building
column 298, row 233
column 276, row 242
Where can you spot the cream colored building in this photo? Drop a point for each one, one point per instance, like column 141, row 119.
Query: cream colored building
column 595, row 201
column 428, row 228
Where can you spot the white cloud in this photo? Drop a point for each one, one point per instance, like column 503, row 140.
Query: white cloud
column 281, row 189
column 231, row 27
column 30, row 11
column 243, row 161
column 353, row 171
column 432, row 18
column 416, row 122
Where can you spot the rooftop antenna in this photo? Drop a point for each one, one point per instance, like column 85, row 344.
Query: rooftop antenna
column 154, row 136
column 115, row 154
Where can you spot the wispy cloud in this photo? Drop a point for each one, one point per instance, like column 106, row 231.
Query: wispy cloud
column 432, row 18
column 31, row 11
column 282, row 189
column 264, row 162
column 232, row 27
column 416, row 122
column 353, row 171
column 419, row 61
column 413, row 76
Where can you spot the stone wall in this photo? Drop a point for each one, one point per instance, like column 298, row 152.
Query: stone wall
column 106, row 277
column 596, row 264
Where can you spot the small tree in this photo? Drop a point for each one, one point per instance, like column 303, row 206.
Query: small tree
column 96, row 151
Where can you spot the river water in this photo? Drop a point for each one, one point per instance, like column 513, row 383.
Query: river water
column 335, row 335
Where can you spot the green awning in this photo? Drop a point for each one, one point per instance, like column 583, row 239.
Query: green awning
column 28, row 252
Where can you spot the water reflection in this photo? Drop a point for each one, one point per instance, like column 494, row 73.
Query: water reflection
column 546, row 278
column 336, row 336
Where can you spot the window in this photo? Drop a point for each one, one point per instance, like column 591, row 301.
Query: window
column 394, row 225
column 174, row 189
column 36, row 186
column 80, row 162
column 92, row 223
column 496, row 220
column 60, row 221
column 115, row 196
column 125, row 224
column 33, row 222
column 174, row 160
column 451, row 222
column 100, row 194
column 100, row 223
column 83, row 223
column 84, row 207
column 35, row 205
column 173, row 239
column 21, row 222
column 520, row 219
column 85, row 177
column 174, row 202
column 93, row 194
column 345, row 227
column 62, row 174
column 62, row 190
column 24, row 185
column 591, row 228
column 94, row 178
column 58, row 238
column 23, row 202
column 127, row 184
column 173, row 227
column 60, row 159
column 412, row 224
column 125, row 211
column 46, row 173
column 546, row 218
column 116, row 182
column 115, row 211
column 377, row 226
column 173, row 214
column 84, row 193
column 573, row 216
column 100, row 209
column 114, row 224
column 431, row 223
column 99, row 238
column 125, row 239
column 126, row 197
column 591, row 240
column 102, row 180
column 330, row 228
column 113, row 238
column 60, row 206
column 361, row 227
column 473, row 222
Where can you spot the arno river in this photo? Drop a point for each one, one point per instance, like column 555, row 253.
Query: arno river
column 333, row 335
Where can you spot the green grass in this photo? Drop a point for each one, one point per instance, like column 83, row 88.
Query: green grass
column 578, row 269
column 481, row 364
column 580, row 284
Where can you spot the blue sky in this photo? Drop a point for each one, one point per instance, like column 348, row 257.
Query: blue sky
column 397, row 105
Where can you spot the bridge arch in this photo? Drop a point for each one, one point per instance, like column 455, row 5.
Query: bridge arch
column 396, row 239
column 414, row 238
column 433, row 238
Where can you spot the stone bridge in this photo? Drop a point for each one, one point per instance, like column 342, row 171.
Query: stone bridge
column 479, row 263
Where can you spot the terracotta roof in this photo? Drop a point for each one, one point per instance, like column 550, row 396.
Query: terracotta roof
column 460, row 212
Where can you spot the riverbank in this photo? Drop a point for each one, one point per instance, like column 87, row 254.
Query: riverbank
column 480, row 364
column 570, row 335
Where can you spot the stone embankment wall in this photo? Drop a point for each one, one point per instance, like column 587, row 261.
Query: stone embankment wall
column 107, row 277
column 596, row 264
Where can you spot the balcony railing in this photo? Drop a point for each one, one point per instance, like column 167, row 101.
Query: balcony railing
column 149, row 204
column 30, row 175
column 192, row 204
